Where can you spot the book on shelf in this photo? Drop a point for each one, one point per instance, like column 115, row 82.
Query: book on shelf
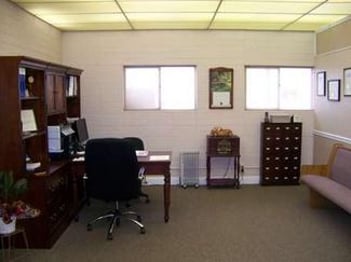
column 28, row 121
column 22, row 82
column 72, row 86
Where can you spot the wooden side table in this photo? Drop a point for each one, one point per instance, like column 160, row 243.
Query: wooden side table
column 10, row 237
column 223, row 146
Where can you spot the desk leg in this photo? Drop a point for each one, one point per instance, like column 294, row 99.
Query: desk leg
column 237, row 171
column 167, row 195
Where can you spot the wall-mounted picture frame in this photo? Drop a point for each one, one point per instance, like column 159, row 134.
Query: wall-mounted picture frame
column 321, row 83
column 334, row 90
column 221, row 88
column 347, row 82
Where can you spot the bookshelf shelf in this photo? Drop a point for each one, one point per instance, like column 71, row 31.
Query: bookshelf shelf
column 33, row 134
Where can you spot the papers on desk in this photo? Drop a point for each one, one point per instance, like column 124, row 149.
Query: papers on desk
column 159, row 157
column 142, row 152
column 79, row 159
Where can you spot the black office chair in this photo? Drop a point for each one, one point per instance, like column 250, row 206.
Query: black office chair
column 112, row 175
column 138, row 144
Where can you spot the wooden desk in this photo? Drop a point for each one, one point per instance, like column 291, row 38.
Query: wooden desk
column 159, row 166
column 152, row 167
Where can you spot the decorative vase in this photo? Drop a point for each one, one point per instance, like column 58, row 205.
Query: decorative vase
column 7, row 228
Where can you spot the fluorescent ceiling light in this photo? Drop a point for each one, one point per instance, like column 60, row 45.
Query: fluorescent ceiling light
column 294, row 15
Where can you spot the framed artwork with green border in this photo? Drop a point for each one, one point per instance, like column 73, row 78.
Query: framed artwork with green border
column 221, row 88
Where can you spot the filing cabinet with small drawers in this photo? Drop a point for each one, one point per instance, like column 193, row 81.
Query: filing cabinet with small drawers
column 280, row 153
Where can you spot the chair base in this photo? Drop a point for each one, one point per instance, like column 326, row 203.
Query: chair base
column 147, row 199
column 115, row 215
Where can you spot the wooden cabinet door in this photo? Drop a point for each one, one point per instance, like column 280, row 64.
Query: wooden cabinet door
column 55, row 93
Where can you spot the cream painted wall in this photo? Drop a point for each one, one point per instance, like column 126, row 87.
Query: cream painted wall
column 332, row 118
column 102, row 55
column 23, row 34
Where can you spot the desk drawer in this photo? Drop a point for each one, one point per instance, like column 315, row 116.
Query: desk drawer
column 223, row 146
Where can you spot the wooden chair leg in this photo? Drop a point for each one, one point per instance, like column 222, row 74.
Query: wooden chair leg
column 319, row 201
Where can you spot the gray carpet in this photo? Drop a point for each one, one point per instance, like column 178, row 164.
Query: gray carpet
column 254, row 224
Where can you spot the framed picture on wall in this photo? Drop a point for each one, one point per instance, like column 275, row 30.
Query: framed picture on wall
column 334, row 90
column 347, row 82
column 321, row 82
column 221, row 88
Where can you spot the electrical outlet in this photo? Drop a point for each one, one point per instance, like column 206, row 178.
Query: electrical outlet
column 242, row 169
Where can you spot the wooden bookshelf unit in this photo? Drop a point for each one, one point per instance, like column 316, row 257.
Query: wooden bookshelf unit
column 40, row 88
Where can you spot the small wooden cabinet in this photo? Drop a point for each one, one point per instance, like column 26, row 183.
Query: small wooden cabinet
column 221, row 146
column 280, row 153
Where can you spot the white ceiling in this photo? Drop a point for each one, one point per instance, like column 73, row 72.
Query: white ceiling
column 289, row 15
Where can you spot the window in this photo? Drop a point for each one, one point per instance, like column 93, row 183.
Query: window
column 278, row 88
column 159, row 87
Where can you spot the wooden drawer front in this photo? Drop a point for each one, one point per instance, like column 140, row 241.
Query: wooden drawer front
column 281, row 127
column 279, row 179
column 282, row 140
column 57, row 194
column 284, row 152
column 223, row 146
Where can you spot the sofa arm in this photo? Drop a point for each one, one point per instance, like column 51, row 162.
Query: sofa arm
column 320, row 170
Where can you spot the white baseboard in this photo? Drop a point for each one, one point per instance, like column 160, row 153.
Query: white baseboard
column 159, row 180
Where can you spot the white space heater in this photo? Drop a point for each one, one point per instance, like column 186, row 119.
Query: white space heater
column 189, row 169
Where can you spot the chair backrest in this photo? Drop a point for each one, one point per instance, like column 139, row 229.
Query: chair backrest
column 112, row 169
column 137, row 142
column 340, row 170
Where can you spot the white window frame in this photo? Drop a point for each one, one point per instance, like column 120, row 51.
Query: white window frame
column 274, row 84
column 160, row 94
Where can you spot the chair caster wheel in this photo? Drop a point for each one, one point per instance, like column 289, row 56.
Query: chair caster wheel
column 89, row 227
column 142, row 231
column 118, row 221
column 147, row 200
column 109, row 236
column 139, row 219
column 196, row 186
column 184, row 186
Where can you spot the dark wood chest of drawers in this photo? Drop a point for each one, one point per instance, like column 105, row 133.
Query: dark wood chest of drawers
column 280, row 153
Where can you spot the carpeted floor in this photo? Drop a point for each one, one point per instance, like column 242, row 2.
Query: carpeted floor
column 253, row 224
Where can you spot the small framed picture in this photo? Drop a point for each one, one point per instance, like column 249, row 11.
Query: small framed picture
column 321, row 81
column 334, row 90
column 347, row 82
